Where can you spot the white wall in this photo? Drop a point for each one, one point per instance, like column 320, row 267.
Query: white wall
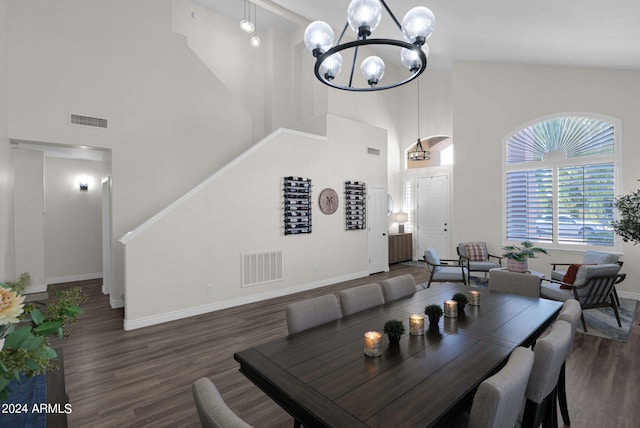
column 490, row 101
column 72, row 222
column 172, row 260
column 6, row 164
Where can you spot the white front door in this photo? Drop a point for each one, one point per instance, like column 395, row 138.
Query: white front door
column 433, row 215
column 377, row 229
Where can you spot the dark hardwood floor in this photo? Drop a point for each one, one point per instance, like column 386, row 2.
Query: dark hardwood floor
column 142, row 378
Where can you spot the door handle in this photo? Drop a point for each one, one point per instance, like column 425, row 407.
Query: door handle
column 445, row 230
column 384, row 234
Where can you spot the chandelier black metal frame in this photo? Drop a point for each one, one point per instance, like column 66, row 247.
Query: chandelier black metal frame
column 414, row 58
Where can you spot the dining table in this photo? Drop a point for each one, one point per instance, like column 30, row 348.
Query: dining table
column 323, row 378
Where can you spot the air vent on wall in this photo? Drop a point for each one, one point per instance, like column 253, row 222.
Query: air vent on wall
column 96, row 122
column 261, row 268
column 373, row 151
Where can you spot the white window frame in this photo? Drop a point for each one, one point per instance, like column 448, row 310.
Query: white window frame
column 555, row 164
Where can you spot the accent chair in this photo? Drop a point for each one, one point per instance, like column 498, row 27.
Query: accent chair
column 444, row 272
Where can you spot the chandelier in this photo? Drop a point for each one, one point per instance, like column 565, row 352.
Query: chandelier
column 417, row 153
column 363, row 17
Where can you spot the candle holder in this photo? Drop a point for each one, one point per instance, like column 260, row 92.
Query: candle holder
column 372, row 341
column 416, row 325
column 450, row 309
column 474, row 298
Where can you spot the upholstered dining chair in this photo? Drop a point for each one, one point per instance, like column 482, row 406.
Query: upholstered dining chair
column 360, row 298
column 571, row 313
column 311, row 312
column 444, row 272
column 398, row 287
column 593, row 287
column 212, row 410
column 498, row 400
column 475, row 256
column 515, row 283
column 550, row 352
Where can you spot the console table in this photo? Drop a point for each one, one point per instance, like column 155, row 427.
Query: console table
column 400, row 247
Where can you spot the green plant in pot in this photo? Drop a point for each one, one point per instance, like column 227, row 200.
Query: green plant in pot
column 433, row 312
column 394, row 329
column 518, row 256
column 628, row 224
column 462, row 300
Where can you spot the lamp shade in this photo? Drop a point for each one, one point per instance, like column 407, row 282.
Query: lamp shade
column 318, row 37
column 331, row 66
column 401, row 217
column 364, row 16
column 418, row 24
column 372, row 69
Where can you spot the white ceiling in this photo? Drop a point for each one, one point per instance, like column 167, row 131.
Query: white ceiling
column 582, row 33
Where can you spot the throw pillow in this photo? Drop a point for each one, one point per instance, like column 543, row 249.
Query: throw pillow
column 476, row 252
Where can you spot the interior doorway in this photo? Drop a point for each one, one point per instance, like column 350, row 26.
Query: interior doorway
column 433, row 214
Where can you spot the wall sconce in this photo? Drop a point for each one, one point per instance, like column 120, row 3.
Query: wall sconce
column 83, row 182
column 401, row 218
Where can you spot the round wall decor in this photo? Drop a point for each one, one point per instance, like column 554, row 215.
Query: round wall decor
column 328, row 201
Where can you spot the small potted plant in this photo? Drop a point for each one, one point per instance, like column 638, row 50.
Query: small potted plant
column 433, row 312
column 462, row 300
column 394, row 329
column 517, row 256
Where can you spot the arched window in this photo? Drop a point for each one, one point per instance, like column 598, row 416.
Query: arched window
column 560, row 181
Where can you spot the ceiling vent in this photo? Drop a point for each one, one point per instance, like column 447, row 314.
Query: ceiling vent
column 96, row 122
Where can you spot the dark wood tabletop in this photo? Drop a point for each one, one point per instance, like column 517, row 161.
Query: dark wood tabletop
column 322, row 377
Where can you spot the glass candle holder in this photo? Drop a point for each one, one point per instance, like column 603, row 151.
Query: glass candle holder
column 450, row 308
column 372, row 341
column 474, row 298
column 416, row 324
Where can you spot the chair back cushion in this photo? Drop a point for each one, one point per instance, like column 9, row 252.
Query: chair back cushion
column 498, row 401
column 212, row 410
column 432, row 258
column 550, row 353
column 599, row 258
column 360, row 298
column 571, row 312
column 311, row 313
column 475, row 251
column 586, row 272
column 398, row 287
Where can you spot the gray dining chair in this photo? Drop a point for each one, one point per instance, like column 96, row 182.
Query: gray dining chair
column 311, row 312
column 550, row 353
column 515, row 283
column 360, row 298
column 212, row 410
column 398, row 287
column 498, row 400
column 571, row 312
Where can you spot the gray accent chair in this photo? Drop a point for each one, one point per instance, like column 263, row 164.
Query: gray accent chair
column 498, row 400
column 594, row 287
column 571, row 312
column 212, row 410
column 398, row 287
column 444, row 272
column 515, row 283
column 590, row 258
column 550, row 352
column 360, row 298
column 489, row 262
column 312, row 312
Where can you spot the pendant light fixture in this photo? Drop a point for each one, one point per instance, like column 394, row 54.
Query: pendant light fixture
column 417, row 153
column 363, row 17
column 255, row 40
column 246, row 24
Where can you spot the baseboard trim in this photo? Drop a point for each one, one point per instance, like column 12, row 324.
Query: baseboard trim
column 230, row 303
column 74, row 278
column 35, row 289
column 629, row 295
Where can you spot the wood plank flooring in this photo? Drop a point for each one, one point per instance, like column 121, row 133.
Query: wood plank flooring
column 142, row 378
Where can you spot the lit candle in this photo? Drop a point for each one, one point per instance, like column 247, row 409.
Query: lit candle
column 416, row 325
column 474, row 298
column 372, row 340
column 450, row 308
